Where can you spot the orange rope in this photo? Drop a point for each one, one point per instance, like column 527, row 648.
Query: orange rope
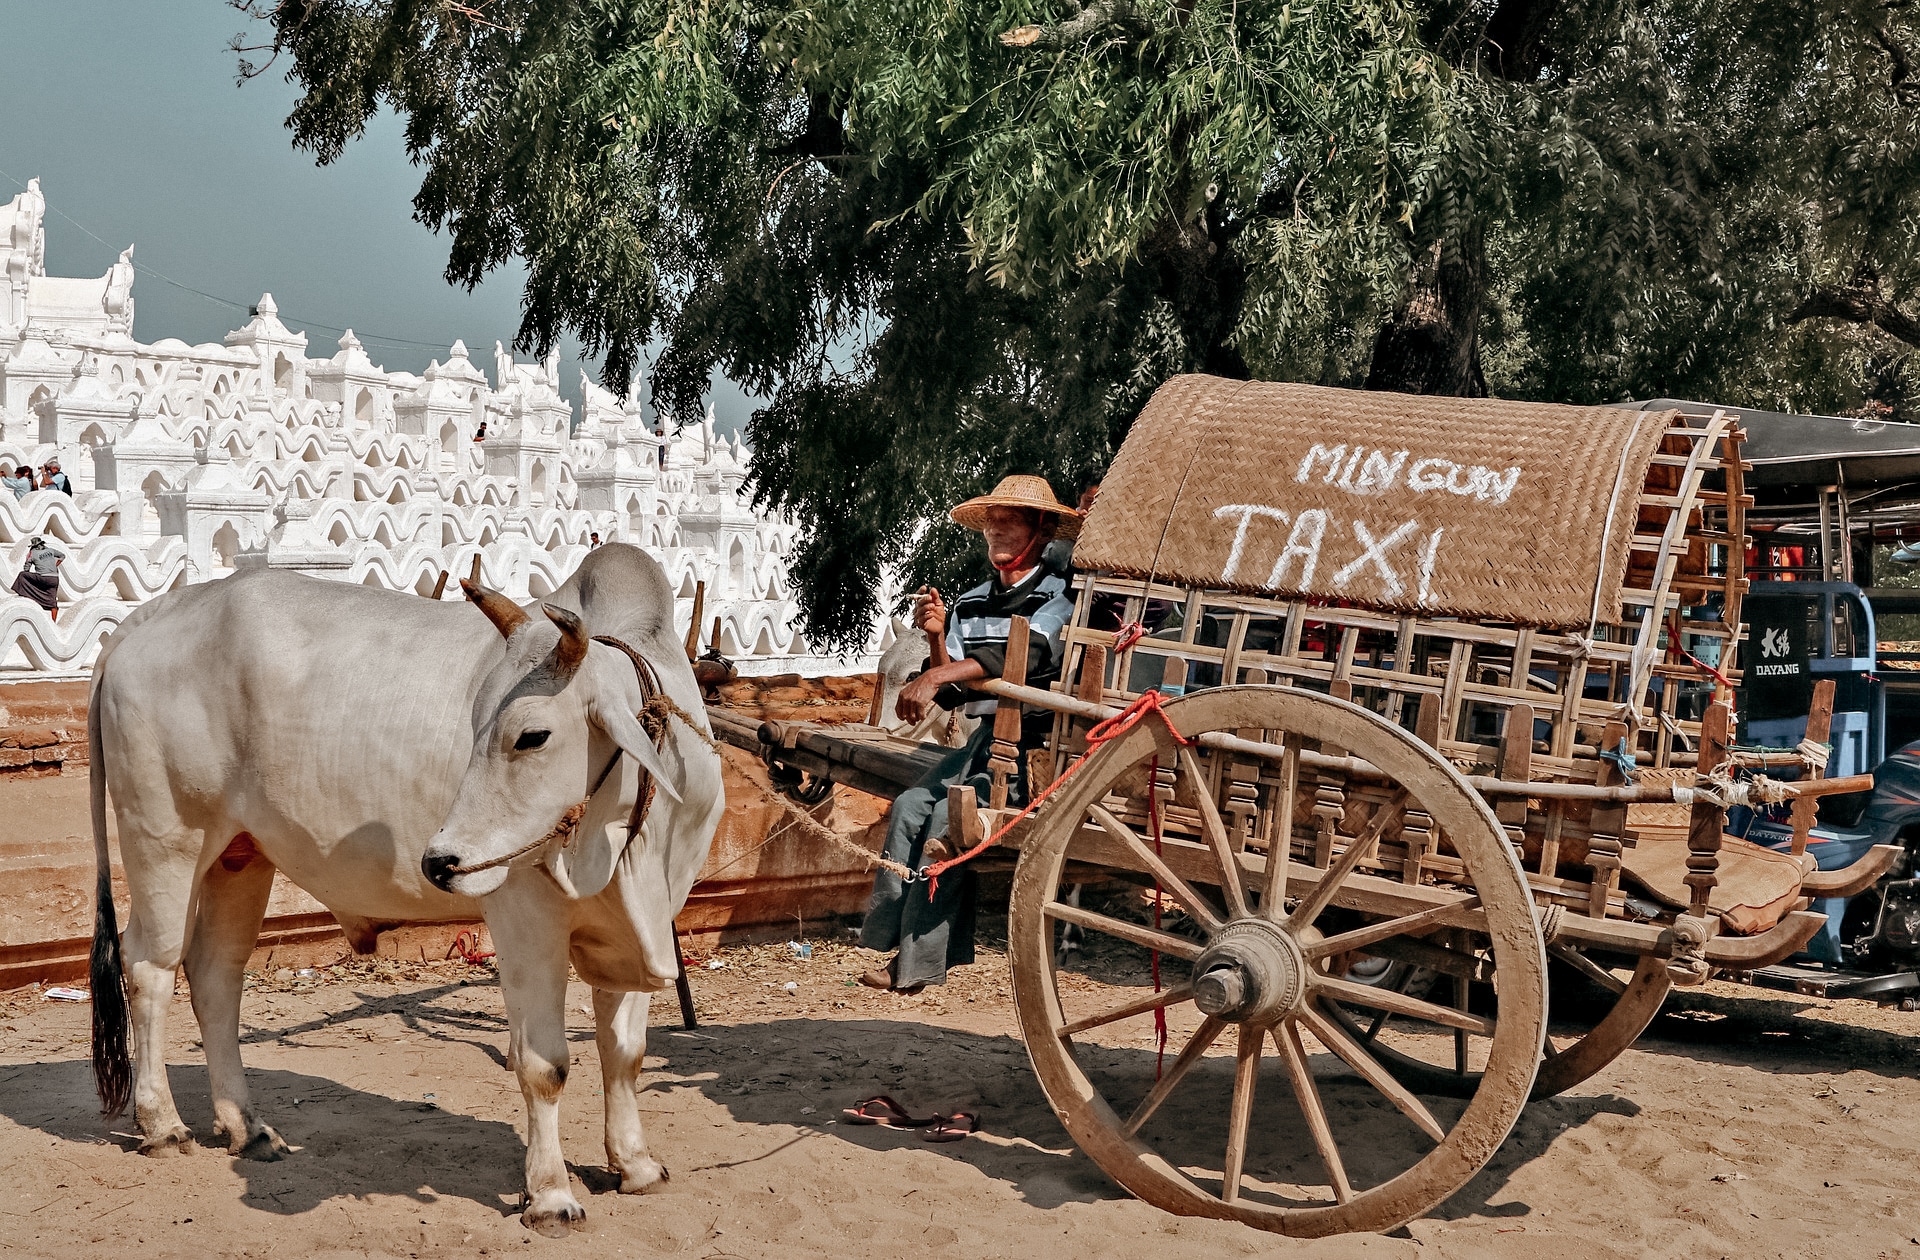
column 1112, row 728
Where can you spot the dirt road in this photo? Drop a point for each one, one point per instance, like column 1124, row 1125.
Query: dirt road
column 1743, row 1126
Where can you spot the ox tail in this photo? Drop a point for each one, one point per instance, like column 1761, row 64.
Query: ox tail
column 112, row 1064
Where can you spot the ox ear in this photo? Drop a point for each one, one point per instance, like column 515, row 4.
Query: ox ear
column 572, row 648
column 626, row 731
column 501, row 611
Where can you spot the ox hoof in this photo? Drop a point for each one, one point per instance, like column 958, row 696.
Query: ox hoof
column 175, row 1141
column 646, row 1177
column 553, row 1220
column 265, row 1146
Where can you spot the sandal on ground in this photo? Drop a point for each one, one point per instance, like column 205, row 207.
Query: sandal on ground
column 951, row 1128
column 882, row 978
column 883, row 1111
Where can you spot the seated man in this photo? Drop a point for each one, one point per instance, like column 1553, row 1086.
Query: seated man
column 1018, row 520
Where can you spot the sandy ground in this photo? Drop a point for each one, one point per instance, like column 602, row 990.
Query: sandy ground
column 1744, row 1125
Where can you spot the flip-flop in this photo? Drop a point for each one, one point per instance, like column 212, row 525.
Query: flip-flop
column 952, row 1128
column 882, row 1110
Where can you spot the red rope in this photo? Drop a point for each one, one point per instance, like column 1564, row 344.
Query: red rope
column 467, row 946
column 1112, row 728
column 1153, row 825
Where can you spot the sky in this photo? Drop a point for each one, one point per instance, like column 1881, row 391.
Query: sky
column 128, row 112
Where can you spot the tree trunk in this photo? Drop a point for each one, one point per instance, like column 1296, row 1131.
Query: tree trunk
column 1431, row 344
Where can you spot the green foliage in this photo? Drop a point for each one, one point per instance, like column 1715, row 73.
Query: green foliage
column 951, row 239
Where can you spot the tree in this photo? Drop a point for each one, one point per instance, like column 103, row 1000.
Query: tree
column 951, row 240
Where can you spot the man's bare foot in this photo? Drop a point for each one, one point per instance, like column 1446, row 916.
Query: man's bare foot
column 878, row 978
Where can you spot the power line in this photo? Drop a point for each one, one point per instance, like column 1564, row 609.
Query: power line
column 143, row 269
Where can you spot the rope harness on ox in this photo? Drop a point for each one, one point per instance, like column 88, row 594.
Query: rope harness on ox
column 656, row 708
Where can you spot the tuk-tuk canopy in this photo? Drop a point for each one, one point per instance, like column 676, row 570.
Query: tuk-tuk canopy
column 1480, row 508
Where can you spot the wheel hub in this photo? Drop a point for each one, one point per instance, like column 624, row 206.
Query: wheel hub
column 1252, row 972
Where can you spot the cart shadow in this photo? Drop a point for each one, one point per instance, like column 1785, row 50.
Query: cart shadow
column 338, row 1134
column 1777, row 1033
column 763, row 1074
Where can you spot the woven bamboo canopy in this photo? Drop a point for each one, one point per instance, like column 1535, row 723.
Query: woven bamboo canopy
column 1479, row 508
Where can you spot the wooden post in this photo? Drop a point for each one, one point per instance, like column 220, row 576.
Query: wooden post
column 474, row 577
column 964, row 827
column 1609, row 826
column 879, row 697
column 693, row 622
column 1707, row 823
column 680, row 984
column 1516, row 762
column 1426, row 719
column 713, row 640
column 440, row 586
column 1173, row 679
column 1819, row 730
column 1003, row 761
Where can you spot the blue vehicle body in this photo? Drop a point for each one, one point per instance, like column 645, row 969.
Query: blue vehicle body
column 1798, row 634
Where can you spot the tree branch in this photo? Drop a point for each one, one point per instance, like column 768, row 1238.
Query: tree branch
column 1091, row 22
column 1858, row 306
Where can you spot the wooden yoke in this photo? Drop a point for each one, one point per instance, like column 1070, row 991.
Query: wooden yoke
column 1819, row 730
column 1004, row 760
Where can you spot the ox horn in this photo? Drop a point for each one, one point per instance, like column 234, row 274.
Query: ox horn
column 501, row 611
column 572, row 648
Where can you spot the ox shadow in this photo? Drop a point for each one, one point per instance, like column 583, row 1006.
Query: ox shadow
column 766, row 1073
column 350, row 1143
column 426, row 1012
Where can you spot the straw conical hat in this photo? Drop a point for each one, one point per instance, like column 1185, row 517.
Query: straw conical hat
column 1019, row 491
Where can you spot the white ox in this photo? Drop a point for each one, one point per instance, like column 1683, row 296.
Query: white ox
column 375, row 747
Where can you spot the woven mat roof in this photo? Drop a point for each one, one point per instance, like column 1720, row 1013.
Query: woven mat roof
column 1456, row 506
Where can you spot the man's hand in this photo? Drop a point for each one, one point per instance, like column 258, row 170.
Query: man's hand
column 930, row 612
column 915, row 698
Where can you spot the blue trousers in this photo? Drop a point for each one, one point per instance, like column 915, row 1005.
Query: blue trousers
column 934, row 932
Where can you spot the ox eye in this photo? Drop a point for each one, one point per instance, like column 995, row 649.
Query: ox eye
column 530, row 740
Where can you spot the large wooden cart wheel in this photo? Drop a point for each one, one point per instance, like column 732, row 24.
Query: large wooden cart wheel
column 1320, row 1150
column 1633, row 989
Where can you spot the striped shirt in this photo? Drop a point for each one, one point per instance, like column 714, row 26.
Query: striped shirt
column 978, row 626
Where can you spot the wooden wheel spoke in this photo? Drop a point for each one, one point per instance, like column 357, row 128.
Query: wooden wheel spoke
column 1233, row 879
column 1165, row 942
column 1400, row 1004
column 1587, row 967
column 1246, row 1077
column 1189, row 1056
column 1286, row 1037
column 1464, row 914
column 1370, row 1070
column 1273, row 898
column 1126, row 1010
column 1322, row 895
column 1460, row 990
column 1197, row 906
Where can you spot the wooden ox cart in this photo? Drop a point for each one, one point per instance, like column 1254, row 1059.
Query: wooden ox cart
column 1420, row 676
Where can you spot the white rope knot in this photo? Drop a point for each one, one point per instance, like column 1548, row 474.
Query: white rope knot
column 1725, row 792
column 1816, row 754
column 1674, row 729
column 1582, row 647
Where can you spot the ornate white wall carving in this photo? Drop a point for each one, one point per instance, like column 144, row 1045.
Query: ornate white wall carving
column 191, row 462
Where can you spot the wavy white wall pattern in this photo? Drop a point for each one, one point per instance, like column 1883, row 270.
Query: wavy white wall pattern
column 192, row 462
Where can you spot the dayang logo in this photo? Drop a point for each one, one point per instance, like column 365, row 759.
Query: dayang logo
column 1774, row 643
